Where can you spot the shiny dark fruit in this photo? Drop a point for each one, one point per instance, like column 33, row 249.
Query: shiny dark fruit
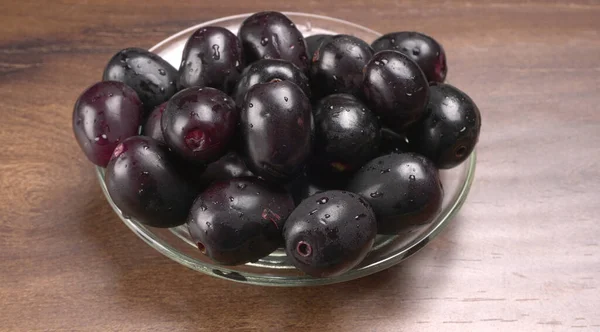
column 392, row 142
column 239, row 220
column 313, row 42
column 347, row 134
column 104, row 115
column 337, row 65
column 152, row 127
column 277, row 130
column 212, row 57
column 305, row 186
column 144, row 182
column 272, row 35
column 403, row 189
column 199, row 123
column 153, row 78
column 450, row 130
column 424, row 50
column 330, row 233
column 227, row 167
column 266, row 70
column 396, row 89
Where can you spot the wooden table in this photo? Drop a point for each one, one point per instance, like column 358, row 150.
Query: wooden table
column 522, row 255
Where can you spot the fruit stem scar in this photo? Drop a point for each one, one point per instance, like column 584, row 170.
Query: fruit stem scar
column 268, row 214
column 201, row 247
column 304, row 249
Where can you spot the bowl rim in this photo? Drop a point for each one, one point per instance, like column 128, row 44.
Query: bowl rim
column 271, row 280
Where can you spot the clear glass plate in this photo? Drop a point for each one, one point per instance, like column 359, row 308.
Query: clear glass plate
column 275, row 269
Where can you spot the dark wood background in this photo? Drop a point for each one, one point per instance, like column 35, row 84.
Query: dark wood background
column 523, row 254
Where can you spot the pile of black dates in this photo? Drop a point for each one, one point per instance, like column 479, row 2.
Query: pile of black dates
column 268, row 139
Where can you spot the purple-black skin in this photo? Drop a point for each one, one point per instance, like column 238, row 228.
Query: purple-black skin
column 145, row 181
column 266, row 70
column 272, row 35
column 104, row 115
column 313, row 42
column 396, row 89
column 330, row 233
column 346, row 132
column 227, row 167
column 404, row 190
column 277, row 129
column 152, row 127
column 212, row 57
column 337, row 65
column 424, row 50
column 199, row 124
column 450, row 129
column 152, row 78
column 239, row 220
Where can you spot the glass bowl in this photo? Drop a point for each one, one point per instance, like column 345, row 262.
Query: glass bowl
column 275, row 269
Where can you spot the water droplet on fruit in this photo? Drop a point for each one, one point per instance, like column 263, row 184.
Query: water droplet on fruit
column 241, row 186
column 162, row 72
column 362, row 215
column 312, row 212
column 408, row 94
column 387, row 170
column 264, row 41
column 412, row 177
column 377, row 62
column 203, row 207
column 393, row 41
column 327, row 216
column 237, row 63
column 162, row 89
column 216, row 54
column 463, row 129
column 334, row 78
column 230, row 198
column 323, row 200
column 376, row 194
column 250, row 105
column 292, row 47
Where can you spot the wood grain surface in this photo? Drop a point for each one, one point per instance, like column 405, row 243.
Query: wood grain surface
column 522, row 255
